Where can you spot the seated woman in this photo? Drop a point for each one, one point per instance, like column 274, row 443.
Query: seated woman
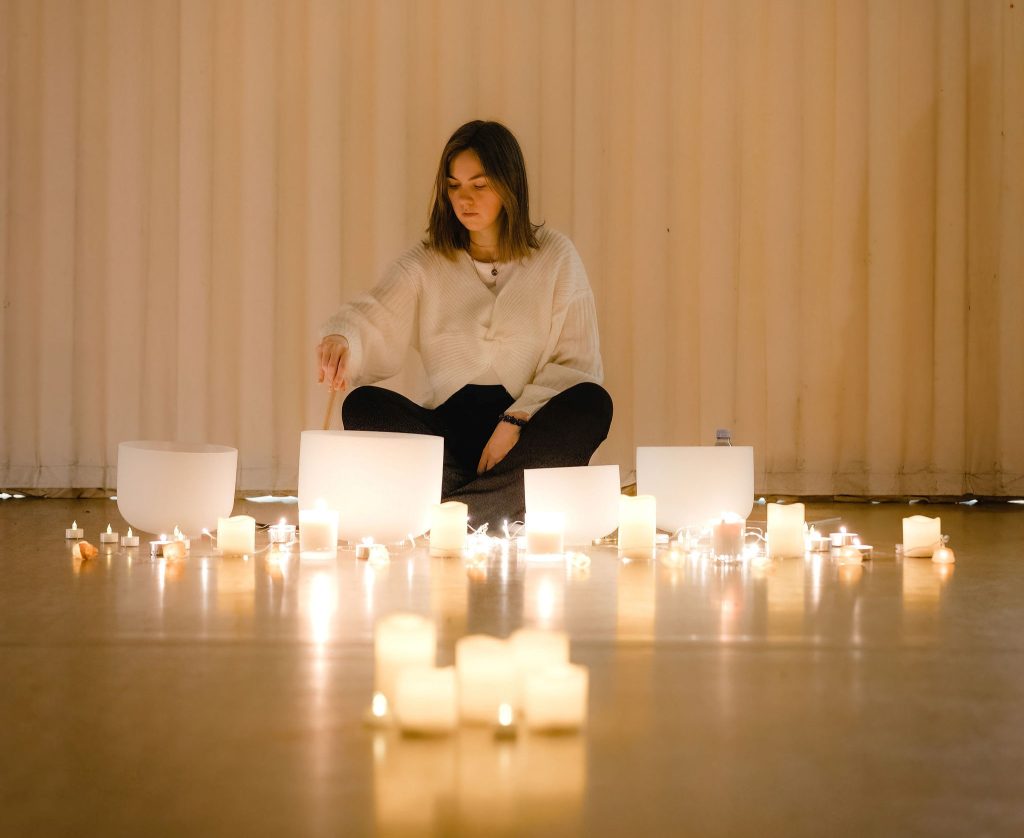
column 503, row 317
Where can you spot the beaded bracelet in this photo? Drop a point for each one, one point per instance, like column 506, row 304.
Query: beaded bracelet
column 512, row 420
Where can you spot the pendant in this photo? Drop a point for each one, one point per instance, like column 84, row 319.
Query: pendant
column 494, row 271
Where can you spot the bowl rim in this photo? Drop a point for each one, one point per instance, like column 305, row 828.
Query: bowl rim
column 176, row 447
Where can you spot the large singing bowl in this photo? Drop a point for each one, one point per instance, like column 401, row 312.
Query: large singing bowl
column 383, row 485
column 588, row 497
column 163, row 485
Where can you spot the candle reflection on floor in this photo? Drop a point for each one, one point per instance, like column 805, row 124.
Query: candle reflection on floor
column 482, row 784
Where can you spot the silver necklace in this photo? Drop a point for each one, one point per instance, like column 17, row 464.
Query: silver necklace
column 494, row 265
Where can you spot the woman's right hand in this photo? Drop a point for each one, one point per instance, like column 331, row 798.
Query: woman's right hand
column 332, row 362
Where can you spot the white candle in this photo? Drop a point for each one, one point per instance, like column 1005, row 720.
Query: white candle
column 237, row 535
column 818, row 543
column 943, row 555
column 841, row 538
column 318, row 531
column 922, row 536
column 178, row 535
column 282, row 533
column 637, row 526
column 727, row 537
column 537, row 649
column 129, row 540
column 74, row 531
column 556, row 698
column 545, row 533
column 109, row 537
column 156, row 548
column 849, row 554
column 448, row 522
column 785, row 529
column 401, row 641
column 425, row 700
column 487, row 676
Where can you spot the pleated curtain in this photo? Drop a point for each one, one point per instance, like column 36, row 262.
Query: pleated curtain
column 803, row 220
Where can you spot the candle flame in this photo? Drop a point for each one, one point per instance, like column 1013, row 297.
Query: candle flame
column 379, row 708
column 74, row 525
column 282, row 522
column 108, row 529
column 367, row 539
column 842, row 529
column 505, row 715
column 129, row 532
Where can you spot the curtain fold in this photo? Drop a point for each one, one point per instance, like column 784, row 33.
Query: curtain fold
column 802, row 218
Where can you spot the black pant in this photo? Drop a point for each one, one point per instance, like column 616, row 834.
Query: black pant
column 564, row 432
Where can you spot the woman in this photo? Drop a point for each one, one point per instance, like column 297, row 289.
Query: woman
column 503, row 317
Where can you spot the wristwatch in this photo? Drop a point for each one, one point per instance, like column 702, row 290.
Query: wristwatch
column 512, row 420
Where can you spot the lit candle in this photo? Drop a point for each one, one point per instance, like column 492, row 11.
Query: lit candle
column 487, row 676
column 545, row 533
column 425, row 700
column 921, row 536
column 129, row 540
column 156, row 548
column 318, row 531
column 109, row 537
column 637, row 526
column 865, row 549
column 178, row 535
column 537, row 649
column 401, row 641
column 448, row 522
column 74, row 531
column 841, row 538
column 282, row 533
column 556, row 698
column 818, row 543
column 943, row 555
column 785, row 530
column 727, row 538
column 237, row 535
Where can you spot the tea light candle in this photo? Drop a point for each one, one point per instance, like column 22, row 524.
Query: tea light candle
column 818, row 543
column 921, row 536
column 785, row 530
column 318, row 531
column 727, row 537
column 637, row 526
column 156, row 548
column 556, row 698
column 237, row 535
column 865, row 549
column 109, row 537
column 74, row 531
column 545, row 533
column 282, row 533
column 401, row 641
column 841, row 538
column 448, row 522
column 186, row 542
column 943, row 555
column 487, row 677
column 425, row 700
column 129, row 540
column 375, row 554
column 849, row 554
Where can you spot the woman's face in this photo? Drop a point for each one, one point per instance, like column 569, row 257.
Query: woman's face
column 476, row 205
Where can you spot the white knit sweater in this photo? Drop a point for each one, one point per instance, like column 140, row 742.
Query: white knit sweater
column 538, row 334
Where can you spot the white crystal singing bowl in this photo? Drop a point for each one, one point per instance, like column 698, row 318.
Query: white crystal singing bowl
column 383, row 485
column 588, row 497
column 694, row 484
column 163, row 485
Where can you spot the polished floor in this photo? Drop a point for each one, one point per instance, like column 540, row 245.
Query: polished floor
column 226, row 697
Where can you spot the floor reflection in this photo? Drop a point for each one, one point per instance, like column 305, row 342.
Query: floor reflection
column 472, row 782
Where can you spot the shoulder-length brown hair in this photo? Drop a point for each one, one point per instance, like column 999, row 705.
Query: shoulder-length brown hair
column 505, row 168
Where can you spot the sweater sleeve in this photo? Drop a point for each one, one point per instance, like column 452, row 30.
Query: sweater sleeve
column 575, row 358
column 379, row 325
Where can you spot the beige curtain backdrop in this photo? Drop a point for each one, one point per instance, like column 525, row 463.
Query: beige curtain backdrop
column 803, row 221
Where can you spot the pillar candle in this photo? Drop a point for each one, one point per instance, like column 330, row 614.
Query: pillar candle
column 785, row 529
column 448, row 522
column 556, row 698
column 921, row 536
column 637, row 527
column 487, row 676
column 236, row 536
column 537, row 649
column 401, row 641
column 727, row 537
column 318, row 531
column 545, row 532
column 425, row 700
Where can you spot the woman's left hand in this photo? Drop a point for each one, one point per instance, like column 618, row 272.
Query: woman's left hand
column 503, row 440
